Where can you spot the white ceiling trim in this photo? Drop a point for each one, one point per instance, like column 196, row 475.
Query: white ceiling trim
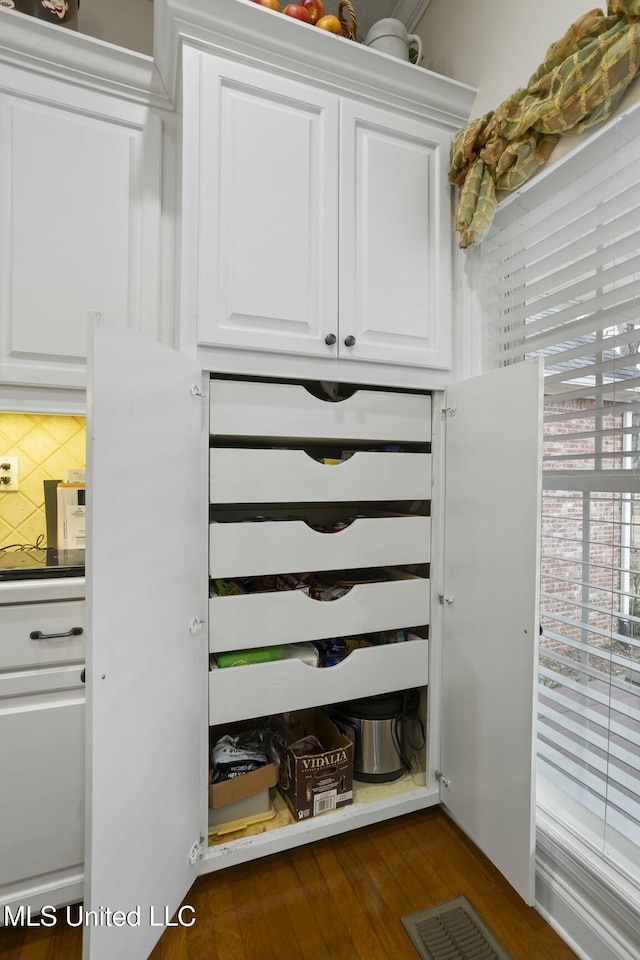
column 410, row 11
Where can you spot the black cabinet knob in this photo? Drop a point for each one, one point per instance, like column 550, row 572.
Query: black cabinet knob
column 330, row 339
column 349, row 341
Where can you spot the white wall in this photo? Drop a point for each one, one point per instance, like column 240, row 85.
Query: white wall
column 492, row 45
column 125, row 23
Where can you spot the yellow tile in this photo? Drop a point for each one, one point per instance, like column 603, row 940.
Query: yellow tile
column 14, row 509
column 33, row 527
column 39, row 445
column 61, row 428
column 6, row 533
column 15, row 425
column 58, row 464
column 32, row 487
column 77, row 448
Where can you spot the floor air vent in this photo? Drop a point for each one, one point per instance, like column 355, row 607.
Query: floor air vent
column 452, row 931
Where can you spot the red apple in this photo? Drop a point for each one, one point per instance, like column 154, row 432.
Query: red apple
column 272, row 4
column 330, row 23
column 315, row 9
column 298, row 11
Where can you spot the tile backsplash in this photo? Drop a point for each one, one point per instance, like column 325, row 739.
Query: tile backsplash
column 46, row 447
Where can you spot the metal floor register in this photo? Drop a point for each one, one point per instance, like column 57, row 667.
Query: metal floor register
column 452, row 931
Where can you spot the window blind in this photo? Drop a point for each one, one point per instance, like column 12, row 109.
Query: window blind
column 561, row 280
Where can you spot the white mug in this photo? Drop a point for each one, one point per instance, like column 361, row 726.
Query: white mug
column 390, row 36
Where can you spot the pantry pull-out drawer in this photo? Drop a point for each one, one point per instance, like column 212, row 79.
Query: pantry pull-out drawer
column 34, row 634
column 287, row 410
column 288, row 546
column 287, row 476
column 288, row 616
column 261, row 689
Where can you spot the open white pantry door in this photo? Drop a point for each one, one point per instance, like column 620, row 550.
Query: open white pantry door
column 147, row 662
column 493, row 441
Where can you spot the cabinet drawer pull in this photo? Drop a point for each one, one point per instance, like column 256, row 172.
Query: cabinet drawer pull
column 39, row 635
column 330, row 339
column 349, row 341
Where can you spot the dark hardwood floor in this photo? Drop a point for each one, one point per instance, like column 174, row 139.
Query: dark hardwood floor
column 337, row 899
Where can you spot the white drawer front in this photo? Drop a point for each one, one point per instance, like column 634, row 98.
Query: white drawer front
column 58, row 622
column 287, row 476
column 291, row 546
column 261, row 689
column 288, row 616
column 245, row 409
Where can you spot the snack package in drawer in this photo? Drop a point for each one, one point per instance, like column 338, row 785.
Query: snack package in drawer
column 238, row 658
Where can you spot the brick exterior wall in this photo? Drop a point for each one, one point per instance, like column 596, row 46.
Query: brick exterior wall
column 567, row 520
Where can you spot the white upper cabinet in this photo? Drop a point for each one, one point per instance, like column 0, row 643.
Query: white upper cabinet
column 80, row 199
column 268, row 225
column 316, row 215
column 395, row 277
column 322, row 222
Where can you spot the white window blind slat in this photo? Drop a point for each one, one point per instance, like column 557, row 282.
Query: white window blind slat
column 622, row 300
column 597, row 720
column 602, row 760
column 565, row 269
column 587, row 327
column 583, row 645
column 593, row 481
column 576, row 414
column 560, row 247
column 550, row 717
column 600, row 184
column 594, row 608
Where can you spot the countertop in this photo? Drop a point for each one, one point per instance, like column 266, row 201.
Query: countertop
column 39, row 591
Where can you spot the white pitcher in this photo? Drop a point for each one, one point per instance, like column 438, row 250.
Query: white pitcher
column 390, row 36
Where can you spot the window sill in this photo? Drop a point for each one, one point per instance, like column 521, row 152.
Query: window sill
column 592, row 905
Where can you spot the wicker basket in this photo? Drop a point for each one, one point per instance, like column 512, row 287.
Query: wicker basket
column 348, row 20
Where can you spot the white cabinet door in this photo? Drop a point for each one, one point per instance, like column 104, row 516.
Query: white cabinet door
column 147, row 660
column 490, row 638
column 42, row 720
column 267, row 210
column 79, row 208
column 395, row 239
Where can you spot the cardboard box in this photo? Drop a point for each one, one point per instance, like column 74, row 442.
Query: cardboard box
column 237, row 803
column 322, row 782
column 229, row 791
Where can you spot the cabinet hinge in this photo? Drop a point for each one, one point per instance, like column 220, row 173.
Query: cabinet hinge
column 195, row 853
column 448, row 412
column 449, row 600
column 442, row 780
column 195, row 390
column 196, row 625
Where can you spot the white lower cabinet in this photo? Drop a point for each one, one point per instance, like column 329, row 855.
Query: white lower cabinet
column 42, row 736
column 457, row 567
